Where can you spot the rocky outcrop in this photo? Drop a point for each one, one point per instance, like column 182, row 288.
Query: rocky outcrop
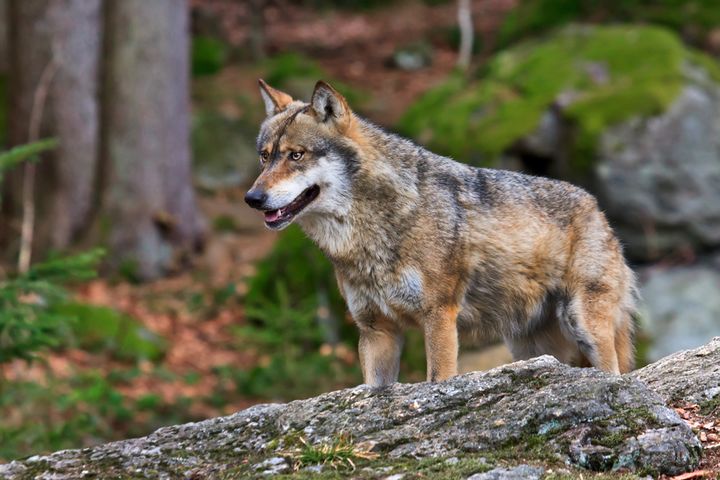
column 680, row 307
column 519, row 419
column 657, row 176
column 691, row 376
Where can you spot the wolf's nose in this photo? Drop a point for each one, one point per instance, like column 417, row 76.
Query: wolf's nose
column 255, row 198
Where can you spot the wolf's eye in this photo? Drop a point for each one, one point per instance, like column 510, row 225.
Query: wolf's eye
column 264, row 156
column 296, row 155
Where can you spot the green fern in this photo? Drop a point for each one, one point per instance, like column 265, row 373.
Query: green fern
column 27, row 323
column 21, row 153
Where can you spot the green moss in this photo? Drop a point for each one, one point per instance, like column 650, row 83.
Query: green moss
column 691, row 18
column 611, row 74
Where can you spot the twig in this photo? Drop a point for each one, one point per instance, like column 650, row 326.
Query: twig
column 27, row 231
column 466, row 34
column 689, row 475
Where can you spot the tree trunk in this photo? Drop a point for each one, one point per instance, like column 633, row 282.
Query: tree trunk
column 466, row 34
column 57, row 40
column 149, row 203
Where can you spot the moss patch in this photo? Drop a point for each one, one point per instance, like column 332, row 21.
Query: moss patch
column 608, row 74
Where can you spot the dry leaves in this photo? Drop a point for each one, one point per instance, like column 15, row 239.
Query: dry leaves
column 707, row 428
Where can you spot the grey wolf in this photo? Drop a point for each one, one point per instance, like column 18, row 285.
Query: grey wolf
column 419, row 240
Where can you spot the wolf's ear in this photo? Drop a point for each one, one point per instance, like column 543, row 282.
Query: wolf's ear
column 275, row 100
column 328, row 105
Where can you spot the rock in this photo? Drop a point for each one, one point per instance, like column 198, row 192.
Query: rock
column 657, row 177
column 224, row 151
column 521, row 472
column 536, row 410
column 412, row 57
column 273, row 466
column 680, row 307
column 627, row 111
column 691, row 376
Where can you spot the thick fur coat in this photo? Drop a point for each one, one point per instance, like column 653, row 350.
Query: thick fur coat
column 419, row 240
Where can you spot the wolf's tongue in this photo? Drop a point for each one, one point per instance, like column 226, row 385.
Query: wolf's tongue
column 272, row 216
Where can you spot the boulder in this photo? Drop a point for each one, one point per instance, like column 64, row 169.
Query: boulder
column 657, row 177
column 680, row 306
column 521, row 418
column 691, row 376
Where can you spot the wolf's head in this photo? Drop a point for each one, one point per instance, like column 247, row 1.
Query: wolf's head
column 308, row 156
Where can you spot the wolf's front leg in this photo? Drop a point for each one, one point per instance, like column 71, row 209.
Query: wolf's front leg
column 441, row 344
column 380, row 350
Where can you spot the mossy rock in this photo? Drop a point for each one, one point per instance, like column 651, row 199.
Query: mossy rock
column 597, row 76
column 101, row 328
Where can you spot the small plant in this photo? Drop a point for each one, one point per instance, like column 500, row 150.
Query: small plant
column 208, row 56
column 341, row 452
column 297, row 321
column 27, row 322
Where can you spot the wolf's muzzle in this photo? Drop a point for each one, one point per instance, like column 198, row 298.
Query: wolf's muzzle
column 256, row 198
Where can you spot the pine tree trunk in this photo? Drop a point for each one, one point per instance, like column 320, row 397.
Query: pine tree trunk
column 149, row 204
column 57, row 40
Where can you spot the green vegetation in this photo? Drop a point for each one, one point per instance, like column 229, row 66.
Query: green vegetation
column 691, row 18
column 340, row 453
column 104, row 329
column 608, row 74
column 28, row 320
column 27, row 323
column 84, row 409
column 36, row 315
column 208, row 55
column 297, row 74
column 296, row 316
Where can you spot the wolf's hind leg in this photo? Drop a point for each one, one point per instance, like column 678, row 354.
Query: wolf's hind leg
column 546, row 339
column 589, row 320
column 380, row 349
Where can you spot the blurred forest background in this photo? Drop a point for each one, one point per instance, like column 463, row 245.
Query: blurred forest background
column 137, row 289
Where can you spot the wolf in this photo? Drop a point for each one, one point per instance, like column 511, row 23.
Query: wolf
column 419, row 240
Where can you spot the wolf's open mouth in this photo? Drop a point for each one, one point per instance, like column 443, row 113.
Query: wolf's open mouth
column 275, row 218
